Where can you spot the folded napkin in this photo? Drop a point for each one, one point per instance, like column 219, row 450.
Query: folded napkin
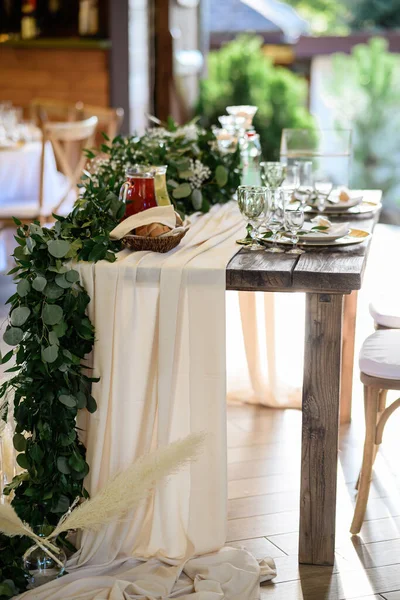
column 159, row 214
column 339, row 229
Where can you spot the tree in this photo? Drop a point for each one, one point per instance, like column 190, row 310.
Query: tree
column 324, row 16
column 376, row 14
column 239, row 73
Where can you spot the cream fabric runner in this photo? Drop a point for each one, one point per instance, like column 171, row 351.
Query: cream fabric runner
column 160, row 340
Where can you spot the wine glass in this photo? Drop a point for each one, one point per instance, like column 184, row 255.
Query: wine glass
column 294, row 221
column 275, row 219
column 290, row 183
column 323, row 187
column 305, row 188
column 272, row 174
column 253, row 203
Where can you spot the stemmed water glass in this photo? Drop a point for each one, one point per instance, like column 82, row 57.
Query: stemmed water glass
column 272, row 174
column 305, row 188
column 275, row 219
column 253, row 203
column 323, row 187
column 294, row 221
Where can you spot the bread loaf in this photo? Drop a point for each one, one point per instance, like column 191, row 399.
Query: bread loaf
column 152, row 230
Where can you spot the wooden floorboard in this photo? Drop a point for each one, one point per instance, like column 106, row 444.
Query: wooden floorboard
column 263, row 509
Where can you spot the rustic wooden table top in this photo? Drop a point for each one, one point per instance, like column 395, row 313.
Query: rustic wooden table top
column 327, row 269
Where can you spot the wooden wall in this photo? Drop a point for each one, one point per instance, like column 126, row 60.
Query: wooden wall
column 62, row 74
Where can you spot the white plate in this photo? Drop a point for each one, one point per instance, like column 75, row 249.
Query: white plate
column 339, row 231
column 355, row 236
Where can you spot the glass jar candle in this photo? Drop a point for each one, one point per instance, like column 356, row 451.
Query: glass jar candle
column 160, row 182
column 138, row 192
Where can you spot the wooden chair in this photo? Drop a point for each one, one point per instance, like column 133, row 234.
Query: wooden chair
column 43, row 110
column 59, row 134
column 109, row 119
column 380, row 372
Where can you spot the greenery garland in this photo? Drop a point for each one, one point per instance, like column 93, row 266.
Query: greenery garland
column 51, row 333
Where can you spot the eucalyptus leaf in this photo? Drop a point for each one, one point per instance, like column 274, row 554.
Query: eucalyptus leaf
column 91, row 404
column 67, row 400
column 182, row 191
column 63, row 466
column 197, row 199
column 53, row 339
column 20, row 315
column 62, row 505
column 221, row 175
column 62, row 281
column 22, row 460
column 50, row 354
column 13, row 336
column 53, row 291
column 72, row 276
column 58, row 248
column 23, row 288
column 52, row 314
column 19, row 442
column 39, row 283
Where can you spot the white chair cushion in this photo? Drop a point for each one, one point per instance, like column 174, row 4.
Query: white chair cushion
column 380, row 354
column 386, row 312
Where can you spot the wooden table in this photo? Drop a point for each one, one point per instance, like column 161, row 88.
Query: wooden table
column 330, row 278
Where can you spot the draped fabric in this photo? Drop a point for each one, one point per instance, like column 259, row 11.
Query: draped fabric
column 160, row 351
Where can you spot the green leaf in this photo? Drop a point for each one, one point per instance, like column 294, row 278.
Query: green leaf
column 19, row 442
column 22, row 461
column 53, row 339
column 182, row 191
column 72, row 276
column 5, row 589
column 35, row 229
column 52, row 314
column 62, row 505
column 67, row 400
column 23, row 288
column 13, row 336
column 91, row 404
column 20, row 315
column 7, row 357
column 76, row 462
column 39, row 283
column 16, row 221
column 197, row 199
column 63, row 466
column 58, row 248
column 97, row 253
column 53, row 291
column 60, row 329
column 81, row 400
column 62, row 282
column 50, row 354
column 36, row 453
column 221, row 175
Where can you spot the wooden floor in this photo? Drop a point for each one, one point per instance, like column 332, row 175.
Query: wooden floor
column 264, row 474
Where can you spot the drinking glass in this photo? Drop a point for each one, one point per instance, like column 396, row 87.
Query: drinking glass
column 272, row 174
column 275, row 219
column 306, row 183
column 253, row 204
column 328, row 149
column 294, row 221
column 323, row 187
column 290, row 183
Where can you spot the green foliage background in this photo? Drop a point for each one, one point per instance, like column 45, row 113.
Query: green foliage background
column 239, row 73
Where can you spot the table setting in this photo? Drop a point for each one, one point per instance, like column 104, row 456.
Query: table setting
column 128, row 292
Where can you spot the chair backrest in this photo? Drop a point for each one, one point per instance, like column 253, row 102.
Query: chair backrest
column 110, row 119
column 43, row 110
column 60, row 134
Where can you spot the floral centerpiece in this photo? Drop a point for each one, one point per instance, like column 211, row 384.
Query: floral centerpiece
column 199, row 174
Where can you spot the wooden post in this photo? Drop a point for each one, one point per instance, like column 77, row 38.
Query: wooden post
column 321, row 393
column 163, row 60
column 349, row 332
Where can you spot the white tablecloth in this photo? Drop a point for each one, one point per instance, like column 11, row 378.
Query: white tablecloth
column 160, row 351
column 20, row 179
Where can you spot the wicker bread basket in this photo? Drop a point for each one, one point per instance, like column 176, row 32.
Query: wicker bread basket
column 156, row 244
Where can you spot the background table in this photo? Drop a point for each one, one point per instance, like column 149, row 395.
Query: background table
column 330, row 277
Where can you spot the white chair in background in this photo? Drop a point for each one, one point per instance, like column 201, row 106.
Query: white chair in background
column 380, row 371
column 386, row 312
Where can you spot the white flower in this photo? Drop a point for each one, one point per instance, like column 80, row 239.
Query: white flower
column 200, row 173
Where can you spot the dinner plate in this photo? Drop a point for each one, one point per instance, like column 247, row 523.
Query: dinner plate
column 363, row 208
column 355, row 236
column 336, row 231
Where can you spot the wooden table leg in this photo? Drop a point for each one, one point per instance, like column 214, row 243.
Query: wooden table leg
column 321, row 392
column 349, row 332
